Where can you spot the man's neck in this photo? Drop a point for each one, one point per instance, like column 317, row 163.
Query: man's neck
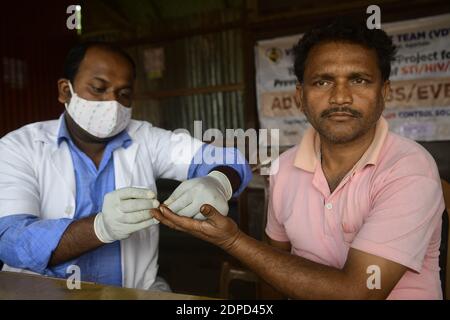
column 339, row 159
column 94, row 150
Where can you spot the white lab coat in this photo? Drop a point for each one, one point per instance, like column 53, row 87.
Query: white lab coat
column 37, row 177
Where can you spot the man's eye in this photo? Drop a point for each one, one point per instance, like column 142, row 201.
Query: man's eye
column 321, row 83
column 125, row 94
column 360, row 81
column 97, row 89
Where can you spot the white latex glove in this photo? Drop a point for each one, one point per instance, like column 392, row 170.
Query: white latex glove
column 124, row 211
column 214, row 189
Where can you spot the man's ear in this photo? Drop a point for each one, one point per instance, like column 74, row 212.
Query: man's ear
column 63, row 91
column 386, row 91
column 299, row 96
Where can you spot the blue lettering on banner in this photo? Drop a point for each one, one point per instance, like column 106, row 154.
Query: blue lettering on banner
column 442, row 112
column 411, row 36
column 439, row 33
column 424, row 113
column 422, row 35
column 418, row 113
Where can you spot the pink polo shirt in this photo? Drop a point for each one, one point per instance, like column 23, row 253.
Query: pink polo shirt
column 390, row 205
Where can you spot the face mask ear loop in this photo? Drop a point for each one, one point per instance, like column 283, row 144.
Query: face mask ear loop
column 70, row 87
column 71, row 92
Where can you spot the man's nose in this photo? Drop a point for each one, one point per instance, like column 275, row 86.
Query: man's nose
column 341, row 94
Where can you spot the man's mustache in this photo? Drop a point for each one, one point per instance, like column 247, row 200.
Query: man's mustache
column 330, row 111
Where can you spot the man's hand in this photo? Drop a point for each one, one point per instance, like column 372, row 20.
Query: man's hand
column 293, row 276
column 217, row 229
column 214, row 189
column 124, row 212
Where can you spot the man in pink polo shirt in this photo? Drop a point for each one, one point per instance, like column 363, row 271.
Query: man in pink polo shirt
column 355, row 211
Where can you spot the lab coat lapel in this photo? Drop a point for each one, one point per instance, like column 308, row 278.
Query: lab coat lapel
column 124, row 162
column 60, row 155
column 62, row 161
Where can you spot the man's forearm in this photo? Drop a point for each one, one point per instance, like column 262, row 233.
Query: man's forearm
column 291, row 275
column 78, row 238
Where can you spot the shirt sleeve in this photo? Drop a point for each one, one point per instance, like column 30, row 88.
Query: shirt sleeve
column 274, row 229
column 27, row 242
column 209, row 157
column 171, row 152
column 404, row 216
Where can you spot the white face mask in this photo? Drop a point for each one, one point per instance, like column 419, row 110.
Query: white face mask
column 102, row 119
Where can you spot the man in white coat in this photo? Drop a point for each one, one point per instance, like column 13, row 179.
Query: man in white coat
column 68, row 187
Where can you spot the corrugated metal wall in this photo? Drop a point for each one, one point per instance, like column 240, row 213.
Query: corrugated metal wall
column 33, row 43
column 212, row 61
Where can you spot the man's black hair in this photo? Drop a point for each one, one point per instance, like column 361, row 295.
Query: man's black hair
column 347, row 30
column 77, row 53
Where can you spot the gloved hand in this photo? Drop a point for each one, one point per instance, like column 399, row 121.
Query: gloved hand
column 124, row 211
column 214, row 189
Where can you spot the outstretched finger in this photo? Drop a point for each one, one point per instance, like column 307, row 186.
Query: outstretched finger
column 156, row 213
column 180, row 221
column 135, row 193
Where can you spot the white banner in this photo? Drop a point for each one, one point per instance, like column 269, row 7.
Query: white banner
column 419, row 107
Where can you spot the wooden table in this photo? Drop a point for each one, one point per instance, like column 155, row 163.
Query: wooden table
column 22, row 286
